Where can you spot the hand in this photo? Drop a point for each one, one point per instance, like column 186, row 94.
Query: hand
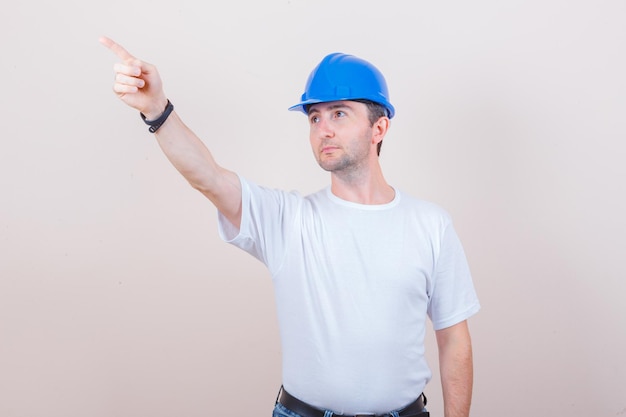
column 137, row 83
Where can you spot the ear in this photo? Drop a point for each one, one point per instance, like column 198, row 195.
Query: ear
column 379, row 129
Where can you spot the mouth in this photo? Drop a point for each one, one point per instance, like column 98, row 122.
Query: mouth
column 329, row 149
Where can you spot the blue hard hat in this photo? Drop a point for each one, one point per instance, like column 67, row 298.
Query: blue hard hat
column 345, row 77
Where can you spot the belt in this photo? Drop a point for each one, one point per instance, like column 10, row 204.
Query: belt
column 305, row 410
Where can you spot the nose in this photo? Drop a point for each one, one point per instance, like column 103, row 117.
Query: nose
column 324, row 128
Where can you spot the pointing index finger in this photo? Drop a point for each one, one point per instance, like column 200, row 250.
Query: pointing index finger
column 116, row 48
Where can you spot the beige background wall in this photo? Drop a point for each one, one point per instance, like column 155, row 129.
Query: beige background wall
column 117, row 297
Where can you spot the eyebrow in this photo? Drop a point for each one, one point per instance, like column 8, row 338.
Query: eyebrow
column 333, row 107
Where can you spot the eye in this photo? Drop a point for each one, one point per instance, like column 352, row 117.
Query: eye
column 340, row 114
column 314, row 119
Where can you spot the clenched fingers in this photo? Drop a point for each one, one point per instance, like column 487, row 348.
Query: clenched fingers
column 127, row 79
column 132, row 69
column 125, row 84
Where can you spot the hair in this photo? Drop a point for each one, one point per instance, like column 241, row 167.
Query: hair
column 375, row 111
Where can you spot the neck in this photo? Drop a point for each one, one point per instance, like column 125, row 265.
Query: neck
column 367, row 188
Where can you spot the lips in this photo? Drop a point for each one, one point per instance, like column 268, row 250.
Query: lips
column 329, row 148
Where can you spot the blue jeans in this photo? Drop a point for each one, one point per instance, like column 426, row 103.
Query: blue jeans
column 282, row 411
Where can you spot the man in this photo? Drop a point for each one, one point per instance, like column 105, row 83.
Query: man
column 357, row 267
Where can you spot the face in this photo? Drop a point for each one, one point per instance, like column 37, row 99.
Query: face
column 341, row 135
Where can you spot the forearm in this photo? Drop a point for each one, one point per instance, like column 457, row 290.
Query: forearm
column 456, row 368
column 187, row 153
column 194, row 161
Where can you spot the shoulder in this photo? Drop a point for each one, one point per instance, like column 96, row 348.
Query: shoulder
column 256, row 190
column 422, row 208
column 261, row 196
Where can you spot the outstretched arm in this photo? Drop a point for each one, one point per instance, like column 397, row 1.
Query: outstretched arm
column 138, row 84
column 456, row 368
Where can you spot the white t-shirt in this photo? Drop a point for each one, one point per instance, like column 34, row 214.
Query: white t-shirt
column 354, row 284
